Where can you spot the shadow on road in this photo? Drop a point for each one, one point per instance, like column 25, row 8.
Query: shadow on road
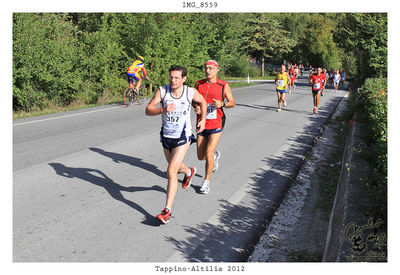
column 240, row 226
column 272, row 108
column 98, row 178
column 118, row 158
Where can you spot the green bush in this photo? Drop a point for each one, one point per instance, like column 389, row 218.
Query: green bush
column 373, row 102
column 44, row 60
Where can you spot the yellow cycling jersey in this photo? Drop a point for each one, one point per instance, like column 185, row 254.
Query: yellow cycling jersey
column 282, row 81
column 136, row 67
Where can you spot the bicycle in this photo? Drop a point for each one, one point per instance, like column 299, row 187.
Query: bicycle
column 132, row 94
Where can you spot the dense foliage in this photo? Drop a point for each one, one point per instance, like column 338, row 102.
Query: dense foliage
column 363, row 37
column 373, row 103
column 60, row 58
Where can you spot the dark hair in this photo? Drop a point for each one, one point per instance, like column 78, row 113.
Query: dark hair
column 182, row 69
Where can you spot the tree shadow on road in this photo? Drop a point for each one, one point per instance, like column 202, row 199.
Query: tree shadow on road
column 114, row 189
column 241, row 225
column 118, row 158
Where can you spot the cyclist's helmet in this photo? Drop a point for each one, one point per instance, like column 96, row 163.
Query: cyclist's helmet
column 141, row 58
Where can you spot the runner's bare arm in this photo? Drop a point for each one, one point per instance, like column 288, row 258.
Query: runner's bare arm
column 202, row 105
column 230, row 103
column 289, row 80
column 152, row 108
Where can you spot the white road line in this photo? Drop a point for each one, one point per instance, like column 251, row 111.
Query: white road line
column 45, row 119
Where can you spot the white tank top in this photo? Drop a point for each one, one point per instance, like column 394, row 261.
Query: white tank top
column 177, row 123
column 336, row 77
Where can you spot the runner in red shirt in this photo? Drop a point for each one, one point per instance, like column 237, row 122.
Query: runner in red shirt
column 316, row 80
column 293, row 75
column 215, row 91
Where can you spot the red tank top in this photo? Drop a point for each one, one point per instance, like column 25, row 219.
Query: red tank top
column 215, row 117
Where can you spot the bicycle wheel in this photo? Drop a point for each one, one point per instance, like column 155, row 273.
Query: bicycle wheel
column 141, row 95
column 128, row 96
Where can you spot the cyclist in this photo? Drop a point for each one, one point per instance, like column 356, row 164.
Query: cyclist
column 134, row 70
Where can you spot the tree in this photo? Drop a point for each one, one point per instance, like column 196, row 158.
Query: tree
column 364, row 35
column 265, row 38
column 318, row 42
column 296, row 23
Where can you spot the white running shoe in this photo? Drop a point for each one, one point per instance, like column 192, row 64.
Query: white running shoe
column 205, row 187
column 217, row 155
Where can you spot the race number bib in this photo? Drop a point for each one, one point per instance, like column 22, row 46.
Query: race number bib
column 171, row 124
column 317, row 86
column 211, row 111
column 281, row 83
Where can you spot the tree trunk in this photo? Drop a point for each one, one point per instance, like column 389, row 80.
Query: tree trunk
column 262, row 66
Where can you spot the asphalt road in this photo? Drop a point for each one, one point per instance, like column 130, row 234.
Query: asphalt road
column 87, row 184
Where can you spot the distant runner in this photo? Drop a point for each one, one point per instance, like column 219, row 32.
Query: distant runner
column 336, row 79
column 293, row 75
column 326, row 74
column 342, row 76
column 317, row 84
column 310, row 71
column 282, row 80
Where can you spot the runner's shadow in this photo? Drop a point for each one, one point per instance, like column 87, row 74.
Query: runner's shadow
column 255, row 106
column 116, row 157
column 98, row 178
column 271, row 108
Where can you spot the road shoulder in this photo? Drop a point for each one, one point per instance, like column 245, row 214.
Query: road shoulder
column 297, row 231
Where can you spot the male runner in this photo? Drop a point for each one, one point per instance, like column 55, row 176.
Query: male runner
column 317, row 84
column 336, row 79
column 215, row 91
column 293, row 75
column 324, row 81
column 176, row 131
column 342, row 76
column 282, row 80
column 310, row 71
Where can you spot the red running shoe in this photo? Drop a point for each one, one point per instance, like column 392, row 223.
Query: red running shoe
column 164, row 216
column 188, row 180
